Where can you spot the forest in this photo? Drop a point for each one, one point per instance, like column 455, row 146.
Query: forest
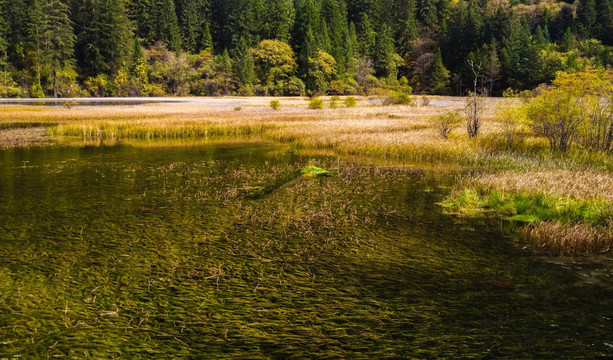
column 75, row 48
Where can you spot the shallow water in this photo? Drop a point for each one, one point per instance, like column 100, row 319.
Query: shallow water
column 224, row 251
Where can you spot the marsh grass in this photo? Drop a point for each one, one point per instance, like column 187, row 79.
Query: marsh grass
column 558, row 224
column 555, row 238
column 392, row 135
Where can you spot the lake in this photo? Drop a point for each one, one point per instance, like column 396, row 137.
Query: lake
column 224, row 250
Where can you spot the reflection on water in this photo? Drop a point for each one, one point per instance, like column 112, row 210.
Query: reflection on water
column 225, row 251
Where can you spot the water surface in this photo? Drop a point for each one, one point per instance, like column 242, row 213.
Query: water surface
column 225, row 251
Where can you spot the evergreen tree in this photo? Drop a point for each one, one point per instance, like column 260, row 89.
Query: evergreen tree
column 3, row 29
column 351, row 52
column 366, row 37
column 604, row 21
column 191, row 25
column 58, row 40
column 166, row 26
column 279, row 15
column 409, row 29
column 428, row 12
column 39, row 24
column 568, row 41
column 439, row 75
column 386, row 59
column 539, row 38
column 139, row 12
column 244, row 67
column 207, row 39
column 105, row 37
column 586, row 16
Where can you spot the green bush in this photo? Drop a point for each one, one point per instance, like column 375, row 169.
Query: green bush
column 350, row 101
column 316, row 103
column 275, row 104
column 37, row 91
column 333, row 102
column 398, row 98
column 445, row 123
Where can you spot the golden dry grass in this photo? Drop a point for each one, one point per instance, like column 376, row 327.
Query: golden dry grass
column 555, row 238
column 577, row 184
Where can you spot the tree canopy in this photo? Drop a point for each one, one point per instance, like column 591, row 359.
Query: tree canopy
column 65, row 47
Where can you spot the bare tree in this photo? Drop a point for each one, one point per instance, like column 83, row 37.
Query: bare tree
column 474, row 103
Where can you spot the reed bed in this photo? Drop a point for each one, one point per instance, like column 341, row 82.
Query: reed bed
column 555, row 238
column 577, row 184
column 395, row 135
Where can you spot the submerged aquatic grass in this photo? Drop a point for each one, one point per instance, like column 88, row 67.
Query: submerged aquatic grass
column 226, row 251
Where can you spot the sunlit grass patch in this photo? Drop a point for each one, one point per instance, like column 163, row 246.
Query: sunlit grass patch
column 556, row 221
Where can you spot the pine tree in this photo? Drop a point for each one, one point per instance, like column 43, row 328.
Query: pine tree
column 58, row 40
column 3, row 41
column 366, row 37
column 280, row 16
column 207, row 39
column 586, row 16
column 166, row 25
column 351, row 52
column 105, row 36
column 386, row 59
column 439, row 75
column 539, row 37
column 39, row 23
column 604, row 21
column 568, row 41
column 139, row 12
column 244, row 67
column 191, row 25
column 428, row 12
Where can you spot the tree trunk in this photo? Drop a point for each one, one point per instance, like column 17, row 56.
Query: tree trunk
column 54, row 84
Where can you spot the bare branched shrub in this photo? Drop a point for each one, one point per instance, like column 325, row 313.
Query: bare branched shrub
column 474, row 110
column 445, row 123
column 425, row 101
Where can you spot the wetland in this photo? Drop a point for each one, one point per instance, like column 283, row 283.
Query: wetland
column 195, row 244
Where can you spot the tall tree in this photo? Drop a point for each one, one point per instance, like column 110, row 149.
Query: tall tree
column 166, row 24
column 105, row 37
column 191, row 26
column 386, row 59
column 280, row 16
column 586, row 16
column 439, row 75
column 58, row 40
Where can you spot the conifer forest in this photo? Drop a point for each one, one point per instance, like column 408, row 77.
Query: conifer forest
column 78, row 48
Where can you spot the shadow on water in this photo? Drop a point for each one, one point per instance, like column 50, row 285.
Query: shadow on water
column 223, row 251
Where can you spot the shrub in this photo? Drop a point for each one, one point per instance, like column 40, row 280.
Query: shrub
column 333, row 102
column 398, row 98
column 511, row 117
column 445, row 123
column 294, row 87
column 576, row 108
column 275, row 104
column 350, row 101
column 316, row 103
column 425, row 101
column 37, row 91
